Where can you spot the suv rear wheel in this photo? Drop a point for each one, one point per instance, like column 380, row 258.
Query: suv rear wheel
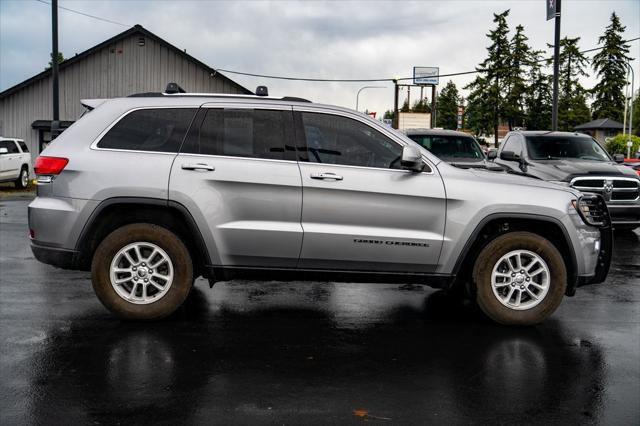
column 142, row 271
column 520, row 278
column 23, row 179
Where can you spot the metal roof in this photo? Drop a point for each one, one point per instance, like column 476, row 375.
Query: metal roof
column 137, row 29
column 601, row 123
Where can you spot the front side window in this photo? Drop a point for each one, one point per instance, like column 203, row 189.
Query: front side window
column 332, row 139
column 241, row 133
column 159, row 130
column 450, row 147
column 560, row 147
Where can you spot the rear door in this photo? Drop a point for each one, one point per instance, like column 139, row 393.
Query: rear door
column 361, row 212
column 9, row 162
column 237, row 174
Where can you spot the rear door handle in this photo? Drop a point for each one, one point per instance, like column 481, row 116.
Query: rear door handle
column 326, row 176
column 199, row 166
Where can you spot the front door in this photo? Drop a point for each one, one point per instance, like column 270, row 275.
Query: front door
column 242, row 186
column 361, row 211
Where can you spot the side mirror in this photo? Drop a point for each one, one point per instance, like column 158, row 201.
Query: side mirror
column 4, row 151
column 411, row 159
column 492, row 154
column 509, row 156
column 618, row 158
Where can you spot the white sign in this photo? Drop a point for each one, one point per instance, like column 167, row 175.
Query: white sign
column 426, row 75
column 629, row 144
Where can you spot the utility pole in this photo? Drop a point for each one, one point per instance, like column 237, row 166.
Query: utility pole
column 556, row 63
column 396, row 112
column 433, row 106
column 55, row 123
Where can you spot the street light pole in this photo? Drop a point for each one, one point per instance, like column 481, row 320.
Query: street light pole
column 366, row 87
column 556, row 69
column 55, row 123
column 630, row 109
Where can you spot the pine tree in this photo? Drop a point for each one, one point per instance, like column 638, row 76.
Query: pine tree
column 538, row 96
column 609, row 65
column 572, row 99
column 487, row 98
column 478, row 115
column 448, row 102
column 636, row 115
column 516, row 82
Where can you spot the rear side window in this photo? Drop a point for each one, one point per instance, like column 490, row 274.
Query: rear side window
column 11, row 147
column 241, row 133
column 159, row 130
column 23, row 146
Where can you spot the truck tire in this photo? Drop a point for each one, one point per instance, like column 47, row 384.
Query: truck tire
column 520, row 278
column 142, row 272
column 23, row 178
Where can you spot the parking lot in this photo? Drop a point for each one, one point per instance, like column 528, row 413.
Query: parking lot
column 309, row 353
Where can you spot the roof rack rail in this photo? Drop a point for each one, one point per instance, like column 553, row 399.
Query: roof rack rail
column 174, row 90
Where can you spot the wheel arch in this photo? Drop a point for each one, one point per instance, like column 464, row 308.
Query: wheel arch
column 498, row 224
column 116, row 212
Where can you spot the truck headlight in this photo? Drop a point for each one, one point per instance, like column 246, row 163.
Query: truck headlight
column 592, row 209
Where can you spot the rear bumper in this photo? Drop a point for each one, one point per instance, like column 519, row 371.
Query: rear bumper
column 60, row 258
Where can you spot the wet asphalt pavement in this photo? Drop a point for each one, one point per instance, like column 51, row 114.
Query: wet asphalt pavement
column 309, row 353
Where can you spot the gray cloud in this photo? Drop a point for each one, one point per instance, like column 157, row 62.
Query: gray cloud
column 308, row 39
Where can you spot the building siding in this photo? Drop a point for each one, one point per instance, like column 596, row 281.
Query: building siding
column 117, row 70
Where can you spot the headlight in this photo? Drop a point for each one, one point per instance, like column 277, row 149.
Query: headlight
column 592, row 209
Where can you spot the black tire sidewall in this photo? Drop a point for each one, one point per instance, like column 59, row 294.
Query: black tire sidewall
column 142, row 232
column 500, row 246
column 19, row 180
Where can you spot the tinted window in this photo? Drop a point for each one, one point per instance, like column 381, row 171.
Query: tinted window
column 160, row 130
column 23, row 146
column 450, row 146
column 514, row 144
column 11, row 147
column 333, row 139
column 558, row 147
column 241, row 133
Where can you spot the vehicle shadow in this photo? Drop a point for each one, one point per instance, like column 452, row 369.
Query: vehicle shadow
column 434, row 362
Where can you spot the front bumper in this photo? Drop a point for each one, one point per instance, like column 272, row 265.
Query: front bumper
column 625, row 215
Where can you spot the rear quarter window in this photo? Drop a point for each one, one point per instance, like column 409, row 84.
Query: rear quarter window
column 157, row 130
column 23, row 146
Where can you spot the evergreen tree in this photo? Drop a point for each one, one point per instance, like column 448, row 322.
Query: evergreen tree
column 421, row 105
column 448, row 102
column 572, row 99
column 516, row 82
column 609, row 65
column 487, row 98
column 405, row 106
column 478, row 115
column 636, row 115
column 60, row 59
column 538, row 96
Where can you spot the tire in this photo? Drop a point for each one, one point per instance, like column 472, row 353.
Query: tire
column 23, row 179
column 155, row 293
column 501, row 302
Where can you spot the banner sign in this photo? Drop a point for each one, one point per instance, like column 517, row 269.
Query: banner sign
column 551, row 9
column 426, row 75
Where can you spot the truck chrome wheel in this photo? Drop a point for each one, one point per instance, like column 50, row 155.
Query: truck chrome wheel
column 520, row 279
column 24, row 178
column 141, row 273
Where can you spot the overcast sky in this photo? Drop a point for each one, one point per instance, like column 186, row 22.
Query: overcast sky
column 364, row 39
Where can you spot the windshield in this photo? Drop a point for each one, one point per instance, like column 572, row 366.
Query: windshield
column 450, row 146
column 560, row 147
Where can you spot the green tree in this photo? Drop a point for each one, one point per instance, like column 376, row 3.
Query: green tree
column 516, row 79
column 405, row 106
column 60, row 59
column 388, row 114
column 421, row 105
column 636, row 115
column 618, row 144
column 448, row 102
column 478, row 115
column 572, row 99
column 610, row 66
column 487, row 97
column 538, row 95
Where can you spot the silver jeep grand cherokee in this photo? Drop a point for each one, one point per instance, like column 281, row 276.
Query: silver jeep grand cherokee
column 149, row 192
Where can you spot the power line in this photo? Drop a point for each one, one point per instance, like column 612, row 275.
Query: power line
column 373, row 80
column 86, row 14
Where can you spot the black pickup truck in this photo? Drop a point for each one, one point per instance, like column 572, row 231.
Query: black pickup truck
column 576, row 160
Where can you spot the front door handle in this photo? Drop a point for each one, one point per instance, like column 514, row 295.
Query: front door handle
column 198, row 166
column 326, row 176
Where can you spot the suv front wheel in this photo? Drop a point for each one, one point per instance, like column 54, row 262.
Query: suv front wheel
column 520, row 278
column 142, row 271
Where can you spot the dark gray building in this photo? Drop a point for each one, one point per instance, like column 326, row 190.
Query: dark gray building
column 134, row 61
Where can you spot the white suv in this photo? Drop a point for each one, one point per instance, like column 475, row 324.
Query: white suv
column 15, row 162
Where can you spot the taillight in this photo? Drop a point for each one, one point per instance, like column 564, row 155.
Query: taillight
column 50, row 165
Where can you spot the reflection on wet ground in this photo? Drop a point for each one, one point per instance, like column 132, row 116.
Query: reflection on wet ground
column 305, row 353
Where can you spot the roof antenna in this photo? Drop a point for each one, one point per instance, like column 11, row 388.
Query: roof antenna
column 173, row 88
column 262, row 91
